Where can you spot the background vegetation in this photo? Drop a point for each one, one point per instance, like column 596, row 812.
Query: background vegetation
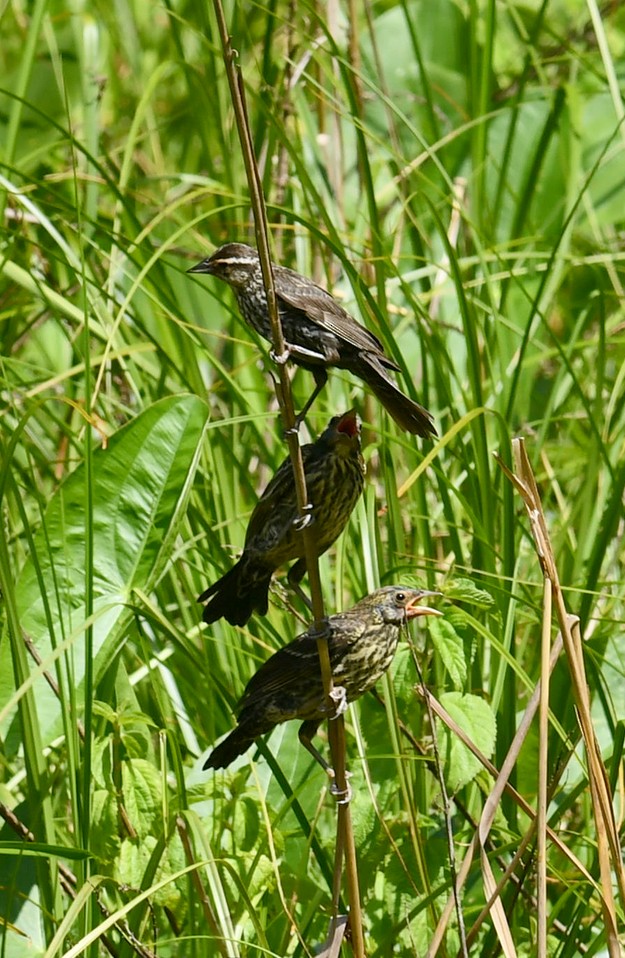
column 454, row 172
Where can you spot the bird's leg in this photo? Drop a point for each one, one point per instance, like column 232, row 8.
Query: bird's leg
column 294, row 577
column 321, row 378
column 297, row 589
column 294, row 429
column 306, row 731
column 339, row 696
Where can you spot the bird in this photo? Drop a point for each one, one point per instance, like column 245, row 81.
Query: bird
column 317, row 330
column 362, row 642
column 335, row 472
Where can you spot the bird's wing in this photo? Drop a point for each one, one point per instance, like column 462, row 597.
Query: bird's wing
column 339, row 322
column 322, row 308
column 282, row 671
column 280, row 492
column 285, row 667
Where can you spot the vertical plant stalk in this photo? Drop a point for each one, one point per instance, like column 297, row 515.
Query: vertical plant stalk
column 203, row 898
column 451, row 851
column 85, row 794
column 330, row 121
column 501, row 779
column 543, row 774
column 345, row 845
column 608, row 845
column 494, row 889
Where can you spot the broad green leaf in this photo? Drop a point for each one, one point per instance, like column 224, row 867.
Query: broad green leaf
column 403, row 673
column 475, row 717
column 450, row 649
column 142, row 793
column 132, row 861
column 465, row 590
column 105, row 839
column 140, row 489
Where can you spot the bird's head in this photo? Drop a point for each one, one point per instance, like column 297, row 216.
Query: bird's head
column 397, row 604
column 233, row 263
column 343, row 433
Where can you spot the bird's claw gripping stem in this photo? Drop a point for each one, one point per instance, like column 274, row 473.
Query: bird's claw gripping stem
column 280, row 358
column 323, row 632
column 343, row 796
column 300, row 522
column 339, row 696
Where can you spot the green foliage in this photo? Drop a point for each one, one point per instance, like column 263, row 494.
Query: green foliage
column 474, row 717
column 454, row 174
column 450, row 649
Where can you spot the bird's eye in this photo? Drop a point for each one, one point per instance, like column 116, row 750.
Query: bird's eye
column 400, row 598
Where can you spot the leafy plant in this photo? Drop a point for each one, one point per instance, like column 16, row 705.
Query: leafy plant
column 452, row 173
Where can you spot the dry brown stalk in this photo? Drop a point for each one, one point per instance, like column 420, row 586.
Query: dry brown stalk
column 345, row 846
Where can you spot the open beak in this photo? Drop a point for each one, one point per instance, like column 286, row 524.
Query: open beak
column 348, row 423
column 413, row 609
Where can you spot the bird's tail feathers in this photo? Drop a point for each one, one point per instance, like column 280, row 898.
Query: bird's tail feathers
column 408, row 414
column 243, row 590
column 232, row 746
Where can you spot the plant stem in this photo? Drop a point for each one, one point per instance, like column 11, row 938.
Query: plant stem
column 345, row 837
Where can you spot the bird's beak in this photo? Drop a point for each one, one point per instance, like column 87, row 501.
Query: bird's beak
column 348, row 423
column 204, row 267
column 413, row 609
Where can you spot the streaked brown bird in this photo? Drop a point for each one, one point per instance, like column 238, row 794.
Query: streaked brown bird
column 318, row 331
column 362, row 644
column 335, row 472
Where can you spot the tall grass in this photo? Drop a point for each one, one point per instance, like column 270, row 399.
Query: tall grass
column 454, row 175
